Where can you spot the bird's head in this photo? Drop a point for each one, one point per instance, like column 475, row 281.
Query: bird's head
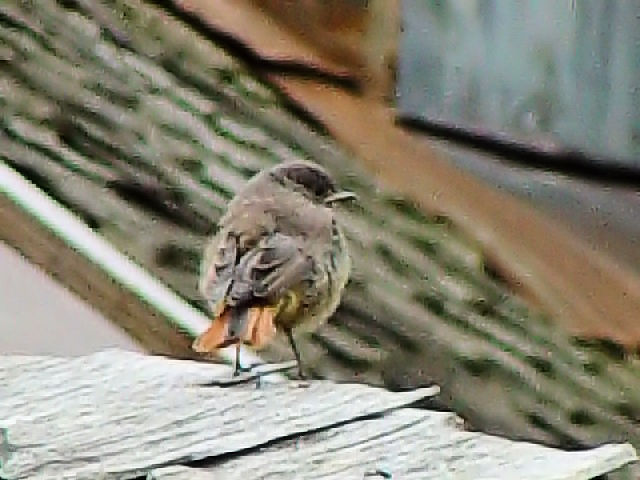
column 311, row 180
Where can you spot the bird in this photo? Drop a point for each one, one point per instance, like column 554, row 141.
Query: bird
column 278, row 262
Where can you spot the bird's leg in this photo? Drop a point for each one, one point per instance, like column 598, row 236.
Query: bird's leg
column 237, row 368
column 296, row 352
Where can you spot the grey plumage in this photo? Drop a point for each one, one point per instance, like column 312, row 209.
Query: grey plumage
column 278, row 248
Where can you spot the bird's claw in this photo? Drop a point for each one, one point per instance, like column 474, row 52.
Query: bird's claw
column 240, row 369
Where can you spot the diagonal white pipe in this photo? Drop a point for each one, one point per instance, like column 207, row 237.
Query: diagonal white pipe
column 80, row 237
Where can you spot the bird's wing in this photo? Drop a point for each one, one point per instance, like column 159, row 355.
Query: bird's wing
column 216, row 271
column 276, row 264
column 246, row 296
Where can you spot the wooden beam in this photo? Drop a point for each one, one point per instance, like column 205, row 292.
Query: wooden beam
column 90, row 282
column 53, row 238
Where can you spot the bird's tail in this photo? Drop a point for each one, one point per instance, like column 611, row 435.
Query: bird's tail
column 254, row 326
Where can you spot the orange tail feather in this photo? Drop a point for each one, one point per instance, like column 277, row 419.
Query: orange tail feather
column 263, row 329
column 259, row 331
column 216, row 336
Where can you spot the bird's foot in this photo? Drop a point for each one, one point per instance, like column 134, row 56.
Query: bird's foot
column 259, row 372
column 300, row 378
column 240, row 369
column 299, row 375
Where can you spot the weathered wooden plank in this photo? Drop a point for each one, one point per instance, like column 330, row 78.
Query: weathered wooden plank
column 121, row 413
column 409, row 444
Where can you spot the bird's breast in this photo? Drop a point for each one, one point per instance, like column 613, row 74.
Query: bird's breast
column 318, row 298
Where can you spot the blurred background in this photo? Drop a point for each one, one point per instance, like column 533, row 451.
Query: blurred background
column 493, row 146
column 562, row 73
column 558, row 78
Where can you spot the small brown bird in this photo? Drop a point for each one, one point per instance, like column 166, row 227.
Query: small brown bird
column 279, row 260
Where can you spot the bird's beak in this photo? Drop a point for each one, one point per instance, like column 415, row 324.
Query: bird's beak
column 339, row 197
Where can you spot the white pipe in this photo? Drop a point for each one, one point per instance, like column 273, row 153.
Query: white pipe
column 80, row 237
